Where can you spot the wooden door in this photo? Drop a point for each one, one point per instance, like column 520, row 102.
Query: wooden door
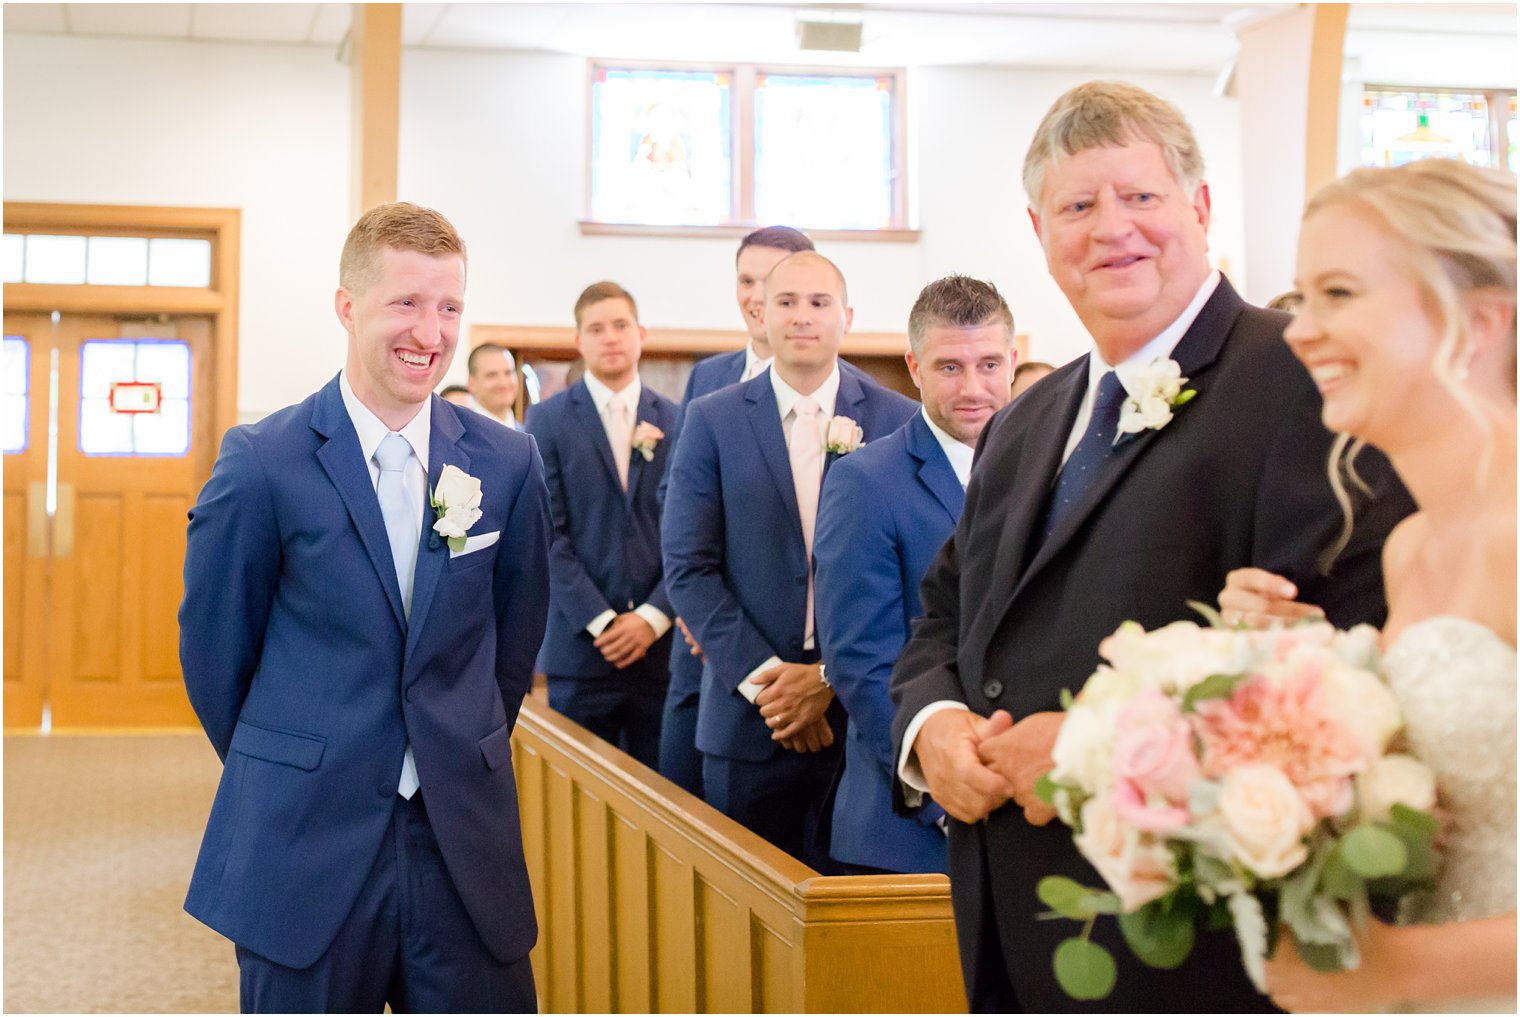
column 28, row 342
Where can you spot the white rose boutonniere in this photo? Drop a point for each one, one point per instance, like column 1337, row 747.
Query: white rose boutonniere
column 457, row 502
column 1153, row 392
column 844, row 436
column 645, row 437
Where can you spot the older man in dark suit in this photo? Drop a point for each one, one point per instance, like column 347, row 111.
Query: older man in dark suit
column 1067, row 532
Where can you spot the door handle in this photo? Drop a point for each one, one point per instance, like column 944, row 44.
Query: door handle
column 63, row 522
column 36, row 520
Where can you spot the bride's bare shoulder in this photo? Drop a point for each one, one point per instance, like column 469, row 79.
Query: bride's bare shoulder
column 1400, row 551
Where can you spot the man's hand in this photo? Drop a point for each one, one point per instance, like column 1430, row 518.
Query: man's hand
column 625, row 639
column 1022, row 755
column 1259, row 599
column 696, row 651
column 946, row 747
column 814, row 738
column 793, row 699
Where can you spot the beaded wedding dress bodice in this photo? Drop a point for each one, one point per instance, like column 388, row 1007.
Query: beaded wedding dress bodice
column 1455, row 682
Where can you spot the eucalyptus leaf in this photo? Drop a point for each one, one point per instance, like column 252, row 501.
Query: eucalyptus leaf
column 1068, row 897
column 1372, row 851
column 1160, row 935
column 1415, row 820
column 1320, row 958
column 1215, row 686
column 1338, row 879
column 1084, row 969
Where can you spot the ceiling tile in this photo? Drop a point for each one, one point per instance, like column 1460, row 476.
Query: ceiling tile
column 162, row 21
column 35, row 18
column 252, row 22
column 329, row 24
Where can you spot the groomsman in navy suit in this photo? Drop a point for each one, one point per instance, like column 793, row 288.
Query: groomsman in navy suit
column 885, row 513
column 758, row 253
column 606, row 443
column 738, row 533
column 358, row 630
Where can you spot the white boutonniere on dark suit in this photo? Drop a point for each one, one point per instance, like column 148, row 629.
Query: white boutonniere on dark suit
column 1153, row 392
column 456, row 500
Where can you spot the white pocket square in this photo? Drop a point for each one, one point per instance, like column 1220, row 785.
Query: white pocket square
column 476, row 543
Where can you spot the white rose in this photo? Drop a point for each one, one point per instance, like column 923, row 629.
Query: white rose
column 1107, row 684
column 456, row 522
column 1359, row 701
column 1136, row 867
column 457, row 489
column 1264, row 819
column 1173, row 658
column 1395, row 780
column 1084, row 745
column 1359, row 647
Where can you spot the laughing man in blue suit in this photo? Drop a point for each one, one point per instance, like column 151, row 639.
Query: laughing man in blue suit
column 358, row 658
column 607, row 648
column 884, row 514
column 758, row 253
column 737, row 533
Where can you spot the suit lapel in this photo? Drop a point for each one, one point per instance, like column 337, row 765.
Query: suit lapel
column 1198, row 348
column 343, row 459
column 433, row 552
column 648, row 412
column 849, row 401
column 765, row 423
column 589, row 423
column 934, row 469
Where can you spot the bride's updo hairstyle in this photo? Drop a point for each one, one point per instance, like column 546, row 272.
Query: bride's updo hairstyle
column 1456, row 225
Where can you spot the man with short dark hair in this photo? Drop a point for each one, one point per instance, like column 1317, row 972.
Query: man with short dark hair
column 605, row 443
column 357, row 634
column 885, row 512
column 493, row 382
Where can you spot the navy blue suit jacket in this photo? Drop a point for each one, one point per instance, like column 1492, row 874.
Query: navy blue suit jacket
column 735, row 564
column 606, row 549
column 309, row 679
column 885, row 512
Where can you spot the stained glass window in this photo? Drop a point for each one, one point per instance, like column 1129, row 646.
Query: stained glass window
column 661, row 147
column 17, row 398
column 134, row 397
column 824, row 151
column 1402, row 126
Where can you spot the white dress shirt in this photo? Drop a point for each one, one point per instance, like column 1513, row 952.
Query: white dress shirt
column 601, row 395
column 958, row 452
column 908, row 770
column 754, row 363
column 786, row 399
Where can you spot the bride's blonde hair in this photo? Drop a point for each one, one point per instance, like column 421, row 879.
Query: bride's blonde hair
column 1456, row 225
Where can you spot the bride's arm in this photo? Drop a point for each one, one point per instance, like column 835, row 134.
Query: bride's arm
column 1403, row 964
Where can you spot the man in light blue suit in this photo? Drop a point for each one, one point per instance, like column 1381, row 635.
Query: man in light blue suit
column 737, row 534
column 884, row 514
column 758, row 253
column 606, row 443
column 360, row 619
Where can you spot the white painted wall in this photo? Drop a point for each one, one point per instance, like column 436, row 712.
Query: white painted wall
column 496, row 142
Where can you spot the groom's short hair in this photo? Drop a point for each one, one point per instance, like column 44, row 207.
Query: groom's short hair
column 1111, row 114
column 401, row 226
column 958, row 301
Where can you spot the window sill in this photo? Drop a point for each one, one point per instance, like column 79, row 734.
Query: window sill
column 593, row 228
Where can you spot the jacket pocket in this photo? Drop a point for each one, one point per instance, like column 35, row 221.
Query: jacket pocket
column 496, row 747
column 287, row 747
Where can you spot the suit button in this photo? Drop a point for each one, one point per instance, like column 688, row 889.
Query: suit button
column 992, row 689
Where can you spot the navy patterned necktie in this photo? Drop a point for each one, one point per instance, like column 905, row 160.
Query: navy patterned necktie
column 1087, row 459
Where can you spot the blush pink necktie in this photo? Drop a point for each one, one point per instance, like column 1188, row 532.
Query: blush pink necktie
column 806, row 454
column 620, row 435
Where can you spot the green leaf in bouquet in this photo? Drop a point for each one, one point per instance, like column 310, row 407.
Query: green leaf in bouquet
column 1210, row 614
column 1215, row 686
column 1067, row 699
column 1416, row 830
column 1320, row 958
column 1415, row 820
column 1045, row 789
column 1161, row 933
column 1070, row 899
column 1219, row 915
column 1373, row 851
column 1084, row 969
column 1338, row 879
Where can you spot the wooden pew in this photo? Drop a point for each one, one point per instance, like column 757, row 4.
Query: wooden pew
column 651, row 901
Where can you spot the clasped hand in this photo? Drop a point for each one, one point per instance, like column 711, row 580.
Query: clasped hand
column 625, row 639
column 974, row 765
column 792, row 701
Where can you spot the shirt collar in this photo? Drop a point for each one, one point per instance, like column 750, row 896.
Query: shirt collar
column 1161, row 346
column 751, row 358
column 827, row 393
column 958, row 452
column 372, row 431
column 601, row 395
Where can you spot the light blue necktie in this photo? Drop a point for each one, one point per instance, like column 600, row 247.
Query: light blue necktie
column 404, row 529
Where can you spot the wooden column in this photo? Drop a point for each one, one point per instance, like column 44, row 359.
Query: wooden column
column 374, row 61
column 1288, row 79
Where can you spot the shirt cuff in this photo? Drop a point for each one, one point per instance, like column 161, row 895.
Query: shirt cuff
column 908, row 770
column 747, row 688
column 600, row 622
column 657, row 619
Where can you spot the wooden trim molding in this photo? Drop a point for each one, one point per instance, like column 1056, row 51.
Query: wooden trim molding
column 591, row 227
column 561, row 339
column 651, row 901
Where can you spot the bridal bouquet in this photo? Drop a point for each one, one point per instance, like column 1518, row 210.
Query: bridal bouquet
column 1234, row 778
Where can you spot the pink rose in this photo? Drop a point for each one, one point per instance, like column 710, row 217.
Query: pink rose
column 1136, row 867
column 1153, row 764
column 844, row 435
column 645, row 437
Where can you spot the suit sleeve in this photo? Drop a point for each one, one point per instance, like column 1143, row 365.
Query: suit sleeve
column 232, row 565
column 692, row 534
column 574, row 592
column 858, row 595
column 520, row 587
column 1298, row 520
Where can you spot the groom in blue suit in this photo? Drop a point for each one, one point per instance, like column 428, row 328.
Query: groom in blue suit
column 358, row 630
column 885, row 513
column 737, row 534
column 607, row 648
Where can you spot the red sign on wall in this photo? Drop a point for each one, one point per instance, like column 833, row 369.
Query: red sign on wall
column 135, row 397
